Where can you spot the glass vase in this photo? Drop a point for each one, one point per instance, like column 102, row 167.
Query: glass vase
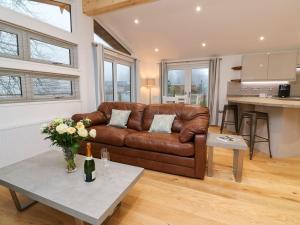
column 70, row 159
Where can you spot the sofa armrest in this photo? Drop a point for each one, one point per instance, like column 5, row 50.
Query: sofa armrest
column 191, row 128
column 95, row 117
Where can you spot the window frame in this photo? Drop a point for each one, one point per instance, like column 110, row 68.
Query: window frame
column 27, row 88
column 24, row 36
column 122, row 59
column 9, row 29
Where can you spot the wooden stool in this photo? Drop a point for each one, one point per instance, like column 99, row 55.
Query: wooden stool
column 233, row 108
column 238, row 146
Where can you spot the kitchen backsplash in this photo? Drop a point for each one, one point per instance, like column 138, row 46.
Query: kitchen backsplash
column 239, row 89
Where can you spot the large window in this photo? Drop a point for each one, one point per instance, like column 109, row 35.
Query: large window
column 16, row 86
column 55, row 13
column 190, row 80
column 16, row 42
column 119, row 77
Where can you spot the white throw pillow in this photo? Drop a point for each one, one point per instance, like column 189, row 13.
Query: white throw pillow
column 162, row 123
column 119, row 118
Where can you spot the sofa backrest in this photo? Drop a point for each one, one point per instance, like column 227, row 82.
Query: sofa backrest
column 135, row 118
column 183, row 114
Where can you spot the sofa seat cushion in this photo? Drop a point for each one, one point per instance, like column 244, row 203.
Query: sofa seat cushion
column 111, row 135
column 159, row 142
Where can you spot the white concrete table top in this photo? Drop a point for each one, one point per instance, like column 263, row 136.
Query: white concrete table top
column 44, row 179
column 239, row 142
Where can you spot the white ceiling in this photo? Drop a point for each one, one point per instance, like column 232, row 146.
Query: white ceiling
column 226, row 26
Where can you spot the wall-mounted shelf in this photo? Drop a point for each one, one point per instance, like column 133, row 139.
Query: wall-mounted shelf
column 237, row 68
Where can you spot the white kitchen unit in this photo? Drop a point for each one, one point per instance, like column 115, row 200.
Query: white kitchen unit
column 270, row 66
column 282, row 66
column 255, row 67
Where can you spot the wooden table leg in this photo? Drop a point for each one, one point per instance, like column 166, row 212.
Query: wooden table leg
column 238, row 160
column 210, row 155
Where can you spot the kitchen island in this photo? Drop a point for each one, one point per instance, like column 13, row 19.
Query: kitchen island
column 284, row 123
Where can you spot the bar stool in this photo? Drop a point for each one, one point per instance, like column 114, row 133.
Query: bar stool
column 234, row 108
column 254, row 116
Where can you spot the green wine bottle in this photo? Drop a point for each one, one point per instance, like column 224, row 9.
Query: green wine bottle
column 89, row 165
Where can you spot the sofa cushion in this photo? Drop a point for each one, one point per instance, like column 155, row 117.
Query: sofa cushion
column 159, row 142
column 135, row 118
column 183, row 114
column 111, row 135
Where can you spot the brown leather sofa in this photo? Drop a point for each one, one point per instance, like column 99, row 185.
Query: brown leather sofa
column 183, row 152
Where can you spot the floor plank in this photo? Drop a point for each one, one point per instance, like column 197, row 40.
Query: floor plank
column 268, row 195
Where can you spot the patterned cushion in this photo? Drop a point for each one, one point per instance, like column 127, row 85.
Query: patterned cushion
column 119, row 118
column 162, row 123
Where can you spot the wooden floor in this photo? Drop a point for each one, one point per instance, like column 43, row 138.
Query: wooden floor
column 268, row 195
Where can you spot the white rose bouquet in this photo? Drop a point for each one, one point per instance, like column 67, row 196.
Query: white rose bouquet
column 68, row 134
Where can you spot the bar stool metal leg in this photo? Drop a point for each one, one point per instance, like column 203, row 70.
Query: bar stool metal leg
column 269, row 138
column 223, row 119
column 252, row 134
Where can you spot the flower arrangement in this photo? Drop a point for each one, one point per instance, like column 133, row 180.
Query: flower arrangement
column 67, row 134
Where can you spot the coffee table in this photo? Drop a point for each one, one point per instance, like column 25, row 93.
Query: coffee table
column 43, row 179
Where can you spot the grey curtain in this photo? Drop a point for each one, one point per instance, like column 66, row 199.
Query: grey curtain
column 214, row 83
column 163, row 78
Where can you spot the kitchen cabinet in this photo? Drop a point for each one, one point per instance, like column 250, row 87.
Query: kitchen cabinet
column 282, row 66
column 270, row 66
column 255, row 67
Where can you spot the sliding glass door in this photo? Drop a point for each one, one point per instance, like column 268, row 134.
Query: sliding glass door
column 189, row 80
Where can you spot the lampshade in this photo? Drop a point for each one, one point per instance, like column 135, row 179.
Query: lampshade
column 149, row 82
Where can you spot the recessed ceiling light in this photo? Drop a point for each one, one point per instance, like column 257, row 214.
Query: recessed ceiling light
column 198, row 8
column 136, row 21
column 156, row 50
column 261, row 38
column 203, row 44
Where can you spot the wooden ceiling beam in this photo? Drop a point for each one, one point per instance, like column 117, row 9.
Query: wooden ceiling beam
column 96, row 7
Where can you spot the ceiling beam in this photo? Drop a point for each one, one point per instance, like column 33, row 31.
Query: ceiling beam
column 96, row 7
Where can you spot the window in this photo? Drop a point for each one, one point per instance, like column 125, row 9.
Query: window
column 190, row 79
column 50, row 87
column 8, row 43
column 119, row 77
column 123, row 83
column 16, row 42
column 52, row 12
column 10, row 86
column 176, row 82
column 32, row 86
column 48, row 52
column 108, row 81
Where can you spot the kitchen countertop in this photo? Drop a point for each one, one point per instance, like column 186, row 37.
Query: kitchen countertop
column 265, row 101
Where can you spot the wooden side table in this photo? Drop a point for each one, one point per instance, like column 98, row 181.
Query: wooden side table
column 238, row 146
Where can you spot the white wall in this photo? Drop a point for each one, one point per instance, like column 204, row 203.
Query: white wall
column 20, row 136
column 227, row 74
column 149, row 69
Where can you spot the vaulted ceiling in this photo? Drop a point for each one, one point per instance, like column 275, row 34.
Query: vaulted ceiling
column 226, row 26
